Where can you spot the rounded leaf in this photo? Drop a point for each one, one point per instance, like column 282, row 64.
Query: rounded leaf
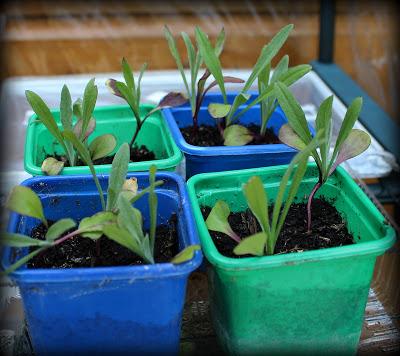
column 218, row 111
column 52, row 167
column 102, row 146
column 291, row 138
column 59, row 228
column 237, row 135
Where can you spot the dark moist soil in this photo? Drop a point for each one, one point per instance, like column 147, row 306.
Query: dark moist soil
column 207, row 136
column 81, row 252
column 328, row 229
column 138, row 154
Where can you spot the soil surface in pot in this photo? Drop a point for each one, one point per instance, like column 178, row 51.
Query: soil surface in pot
column 328, row 229
column 81, row 252
column 207, row 136
column 138, row 154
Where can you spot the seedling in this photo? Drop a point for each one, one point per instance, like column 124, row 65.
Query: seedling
column 131, row 92
column 119, row 220
column 257, row 200
column 84, row 126
column 349, row 142
column 226, row 114
column 197, row 92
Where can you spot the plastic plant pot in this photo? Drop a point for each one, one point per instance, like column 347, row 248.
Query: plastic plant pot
column 126, row 309
column 223, row 158
column 117, row 120
column 312, row 302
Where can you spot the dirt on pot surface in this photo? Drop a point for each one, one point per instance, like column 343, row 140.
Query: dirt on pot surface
column 138, row 154
column 328, row 229
column 209, row 136
column 81, row 252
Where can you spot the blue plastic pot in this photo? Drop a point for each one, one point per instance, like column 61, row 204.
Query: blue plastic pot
column 224, row 158
column 128, row 309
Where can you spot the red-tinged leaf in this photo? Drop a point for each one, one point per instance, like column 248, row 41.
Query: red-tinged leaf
column 78, row 128
column 112, row 86
column 356, row 143
column 172, row 99
column 291, row 138
column 227, row 79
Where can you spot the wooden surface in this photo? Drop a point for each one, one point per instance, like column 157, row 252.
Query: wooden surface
column 41, row 38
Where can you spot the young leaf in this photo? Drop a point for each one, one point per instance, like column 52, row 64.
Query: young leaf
column 210, row 59
column 291, row 138
column 172, row 99
column 92, row 227
column 348, row 122
column 89, row 129
column 24, row 201
column 186, row 254
column 119, row 170
column 59, row 228
column 293, row 111
column 237, row 135
column 217, row 220
column 128, row 75
column 253, row 245
column 88, row 104
column 19, row 240
column 218, row 111
column 138, row 90
column 257, row 200
column 356, row 143
column 66, row 108
column 77, row 109
column 51, row 166
column 130, row 219
column 111, row 84
column 280, row 69
column 219, row 43
column 102, row 146
column 323, row 124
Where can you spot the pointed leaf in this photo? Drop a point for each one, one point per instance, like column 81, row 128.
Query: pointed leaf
column 219, row 43
column 323, row 124
column 210, row 59
column 89, row 130
column 172, row 99
column 356, row 143
column 252, row 245
column 257, row 200
column 77, row 109
column 111, row 84
column 186, row 254
column 293, row 111
column 66, row 108
column 237, row 135
column 102, row 146
column 24, row 201
column 122, row 236
column 217, row 220
column 218, row 111
column 19, row 240
column 130, row 219
column 52, row 167
column 128, row 75
column 92, row 226
column 280, row 68
column 59, row 228
column 118, row 173
column 138, row 88
column 291, row 138
column 88, row 104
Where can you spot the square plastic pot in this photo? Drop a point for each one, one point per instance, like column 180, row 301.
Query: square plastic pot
column 311, row 302
column 117, row 120
column 126, row 309
column 223, row 158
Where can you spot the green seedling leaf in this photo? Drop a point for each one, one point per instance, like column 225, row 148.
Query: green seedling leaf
column 102, row 146
column 293, row 111
column 138, row 90
column 88, row 104
column 175, row 53
column 24, row 201
column 217, row 220
column 210, row 59
column 52, row 167
column 130, row 219
column 93, row 226
column 118, row 173
column 323, row 125
column 356, row 143
column 24, row 259
column 66, row 108
column 19, row 240
column 45, row 116
column 291, row 138
column 186, row 254
column 77, row 109
column 281, row 68
column 348, row 122
column 59, row 228
column 89, row 130
column 218, row 111
column 257, row 201
column 253, row 245
column 128, row 75
column 219, row 43
column 237, row 135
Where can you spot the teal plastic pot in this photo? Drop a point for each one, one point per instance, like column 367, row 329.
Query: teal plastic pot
column 308, row 303
column 117, row 120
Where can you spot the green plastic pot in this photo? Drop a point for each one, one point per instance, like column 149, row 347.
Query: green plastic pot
column 308, row 303
column 117, row 120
